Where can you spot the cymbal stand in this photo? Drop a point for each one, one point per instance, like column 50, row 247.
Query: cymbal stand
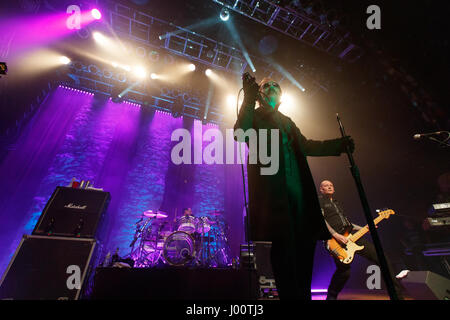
column 143, row 260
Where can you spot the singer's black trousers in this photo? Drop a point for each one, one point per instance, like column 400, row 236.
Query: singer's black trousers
column 292, row 265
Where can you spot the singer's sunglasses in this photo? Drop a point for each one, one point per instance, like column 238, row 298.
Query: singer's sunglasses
column 271, row 84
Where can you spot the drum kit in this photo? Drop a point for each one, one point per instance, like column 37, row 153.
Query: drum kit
column 187, row 241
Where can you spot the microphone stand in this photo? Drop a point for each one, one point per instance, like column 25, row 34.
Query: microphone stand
column 245, row 77
column 365, row 204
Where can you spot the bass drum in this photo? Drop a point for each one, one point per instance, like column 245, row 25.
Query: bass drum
column 179, row 248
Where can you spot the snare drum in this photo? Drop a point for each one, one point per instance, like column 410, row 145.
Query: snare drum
column 187, row 224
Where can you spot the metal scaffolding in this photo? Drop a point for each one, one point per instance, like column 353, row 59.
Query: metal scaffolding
column 143, row 28
column 297, row 26
column 146, row 35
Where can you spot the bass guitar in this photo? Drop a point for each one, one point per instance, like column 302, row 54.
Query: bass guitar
column 346, row 252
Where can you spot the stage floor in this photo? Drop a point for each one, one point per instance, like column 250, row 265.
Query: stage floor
column 353, row 294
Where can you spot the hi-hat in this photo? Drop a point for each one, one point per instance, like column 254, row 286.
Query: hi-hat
column 155, row 214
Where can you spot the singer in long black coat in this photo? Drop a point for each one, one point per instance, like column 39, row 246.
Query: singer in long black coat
column 284, row 207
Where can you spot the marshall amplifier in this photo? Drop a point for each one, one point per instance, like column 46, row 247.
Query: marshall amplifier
column 50, row 268
column 73, row 212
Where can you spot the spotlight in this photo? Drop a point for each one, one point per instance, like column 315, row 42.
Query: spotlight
column 126, row 68
column 191, row 67
column 114, row 64
column 117, row 99
column 224, row 14
column 118, row 92
column 140, row 72
column 64, row 60
column 208, row 72
column 154, row 76
column 98, row 37
column 231, row 100
column 287, row 101
column 96, row 14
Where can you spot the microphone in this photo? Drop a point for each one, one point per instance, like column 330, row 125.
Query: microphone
column 248, row 80
column 418, row 136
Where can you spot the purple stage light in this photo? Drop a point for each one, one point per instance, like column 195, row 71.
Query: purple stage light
column 96, row 14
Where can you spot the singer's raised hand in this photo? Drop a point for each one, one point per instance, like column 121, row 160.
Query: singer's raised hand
column 348, row 142
column 250, row 87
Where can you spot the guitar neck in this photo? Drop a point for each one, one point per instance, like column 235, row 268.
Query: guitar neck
column 365, row 229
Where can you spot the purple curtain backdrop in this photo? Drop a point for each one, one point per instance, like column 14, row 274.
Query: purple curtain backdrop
column 124, row 149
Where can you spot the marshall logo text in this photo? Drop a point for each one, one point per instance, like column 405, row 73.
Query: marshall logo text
column 73, row 206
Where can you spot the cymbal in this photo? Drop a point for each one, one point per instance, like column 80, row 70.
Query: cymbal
column 155, row 214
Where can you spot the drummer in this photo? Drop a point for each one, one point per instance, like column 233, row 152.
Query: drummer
column 187, row 212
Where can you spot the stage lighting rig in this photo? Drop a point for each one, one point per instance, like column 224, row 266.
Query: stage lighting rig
column 178, row 107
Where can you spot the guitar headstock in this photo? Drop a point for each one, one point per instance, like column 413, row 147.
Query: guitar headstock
column 386, row 213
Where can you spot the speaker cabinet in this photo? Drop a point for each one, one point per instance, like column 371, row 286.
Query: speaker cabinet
column 426, row 285
column 43, row 268
column 262, row 259
column 73, row 212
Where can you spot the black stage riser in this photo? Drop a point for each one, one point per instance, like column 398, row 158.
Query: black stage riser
column 175, row 284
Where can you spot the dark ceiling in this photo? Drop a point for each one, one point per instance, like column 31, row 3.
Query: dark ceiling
column 413, row 32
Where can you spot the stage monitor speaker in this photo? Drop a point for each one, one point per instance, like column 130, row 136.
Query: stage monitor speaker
column 262, row 259
column 49, row 268
column 73, row 212
column 426, row 285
